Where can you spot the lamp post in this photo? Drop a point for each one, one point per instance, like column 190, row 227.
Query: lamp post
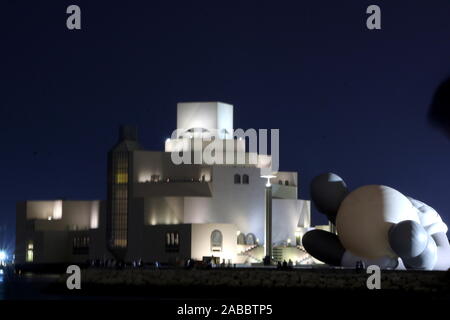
column 268, row 221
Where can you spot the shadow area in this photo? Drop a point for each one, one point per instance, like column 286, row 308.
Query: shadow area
column 439, row 112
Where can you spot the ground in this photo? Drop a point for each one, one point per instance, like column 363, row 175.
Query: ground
column 256, row 283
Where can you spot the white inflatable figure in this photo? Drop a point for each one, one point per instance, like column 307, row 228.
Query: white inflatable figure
column 435, row 229
column 377, row 225
column 429, row 218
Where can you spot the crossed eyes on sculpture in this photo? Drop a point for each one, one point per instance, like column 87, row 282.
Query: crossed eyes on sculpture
column 377, row 225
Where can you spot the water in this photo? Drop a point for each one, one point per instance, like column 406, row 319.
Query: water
column 35, row 286
column 27, row 286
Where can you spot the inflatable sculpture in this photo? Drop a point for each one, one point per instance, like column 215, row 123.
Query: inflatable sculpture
column 376, row 225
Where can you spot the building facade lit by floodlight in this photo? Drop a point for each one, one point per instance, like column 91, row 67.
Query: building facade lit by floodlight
column 158, row 210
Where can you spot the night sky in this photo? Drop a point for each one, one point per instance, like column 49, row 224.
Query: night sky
column 346, row 99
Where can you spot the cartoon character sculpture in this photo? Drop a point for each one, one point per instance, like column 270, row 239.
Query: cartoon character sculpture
column 376, row 225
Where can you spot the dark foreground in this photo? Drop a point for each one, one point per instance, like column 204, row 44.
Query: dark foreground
column 223, row 283
column 285, row 290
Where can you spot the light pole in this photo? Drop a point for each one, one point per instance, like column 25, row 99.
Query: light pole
column 268, row 221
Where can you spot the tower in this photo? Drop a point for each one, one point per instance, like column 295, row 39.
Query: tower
column 120, row 186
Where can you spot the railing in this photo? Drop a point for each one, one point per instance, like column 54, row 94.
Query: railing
column 169, row 180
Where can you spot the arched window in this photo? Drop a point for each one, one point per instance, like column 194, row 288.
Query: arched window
column 241, row 238
column 250, row 239
column 280, row 182
column 286, row 182
column 237, row 178
column 216, row 241
column 245, row 179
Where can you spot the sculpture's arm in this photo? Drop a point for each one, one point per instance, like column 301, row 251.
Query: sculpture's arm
column 324, row 246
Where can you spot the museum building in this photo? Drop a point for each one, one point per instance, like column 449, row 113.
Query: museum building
column 158, row 210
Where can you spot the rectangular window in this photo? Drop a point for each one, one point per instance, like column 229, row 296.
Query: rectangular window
column 29, row 256
column 119, row 201
column 121, row 177
column 80, row 245
column 172, row 242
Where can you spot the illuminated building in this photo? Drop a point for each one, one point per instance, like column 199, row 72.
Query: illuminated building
column 157, row 210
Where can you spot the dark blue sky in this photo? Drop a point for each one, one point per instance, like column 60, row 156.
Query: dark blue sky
column 346, row 99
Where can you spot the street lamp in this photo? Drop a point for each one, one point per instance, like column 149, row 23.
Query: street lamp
column 268, row 221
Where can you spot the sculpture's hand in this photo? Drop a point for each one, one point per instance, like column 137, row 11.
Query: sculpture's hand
column 412, row 243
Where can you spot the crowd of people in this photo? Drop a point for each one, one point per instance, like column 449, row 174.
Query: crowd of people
column 285, row 265
column 187, row 264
